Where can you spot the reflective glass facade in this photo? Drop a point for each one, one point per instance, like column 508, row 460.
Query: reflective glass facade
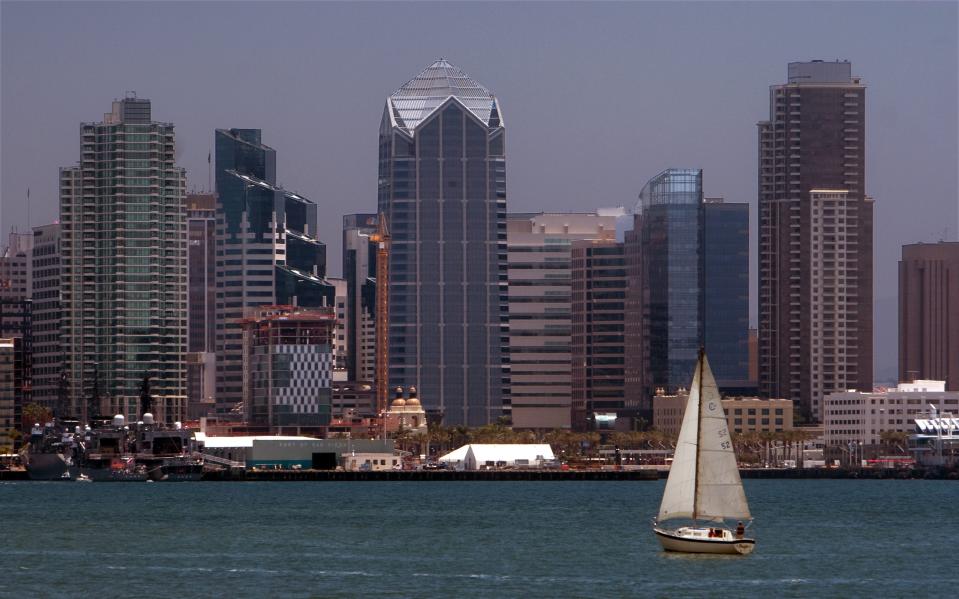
column 266, row 249
column 359, row 270
column 442, row 187
column 691, row 258
column 726, row 301
column 671, row 206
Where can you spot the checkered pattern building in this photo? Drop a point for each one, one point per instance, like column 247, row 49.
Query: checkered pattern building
column 288, row 369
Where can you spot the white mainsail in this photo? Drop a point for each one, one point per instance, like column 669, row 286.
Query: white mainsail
column 704, row 481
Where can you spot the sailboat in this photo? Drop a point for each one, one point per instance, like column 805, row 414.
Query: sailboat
column 704, row 484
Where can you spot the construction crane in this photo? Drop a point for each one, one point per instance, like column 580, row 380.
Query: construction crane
column 381, row 365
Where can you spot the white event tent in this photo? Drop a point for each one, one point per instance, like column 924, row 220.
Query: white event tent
column 476, row 456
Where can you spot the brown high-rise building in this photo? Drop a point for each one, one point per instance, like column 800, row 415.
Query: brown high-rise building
column 201, row 304
column 540, row 308
column 815, row 238
column 929, row 313
column 599, row 284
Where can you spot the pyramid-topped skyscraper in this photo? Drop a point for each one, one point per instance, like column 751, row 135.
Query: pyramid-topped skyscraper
column 442, row 187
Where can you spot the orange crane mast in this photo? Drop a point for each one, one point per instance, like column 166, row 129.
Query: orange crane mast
column 381, row 364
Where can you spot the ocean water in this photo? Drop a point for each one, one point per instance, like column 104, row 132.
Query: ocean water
column 816, row 538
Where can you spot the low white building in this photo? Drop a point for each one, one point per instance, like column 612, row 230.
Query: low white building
column 372, row 461
column 500, row 455
column 853, row 418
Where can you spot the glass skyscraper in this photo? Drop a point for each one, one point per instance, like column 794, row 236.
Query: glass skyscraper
column 267, row 250
column 359, row 270
column 690, row 255
column 442, row 187
column 123, row 243
column 726, row 295
column 671, row 205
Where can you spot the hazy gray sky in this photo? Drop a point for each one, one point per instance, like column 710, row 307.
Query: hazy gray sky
column 597, row 98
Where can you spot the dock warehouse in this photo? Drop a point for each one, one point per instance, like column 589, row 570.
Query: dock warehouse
column 290, row 452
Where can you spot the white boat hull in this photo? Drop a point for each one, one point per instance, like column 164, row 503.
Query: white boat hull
column 682, row 543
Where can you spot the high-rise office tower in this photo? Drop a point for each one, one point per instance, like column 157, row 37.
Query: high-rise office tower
column 123, row 243
column 540, row 310
column 725, row 243
column 47, row 360
column 16, row 310
column 442, row 187
column 340, row 349
column 929, row 313
column 359, row 270
column 815, row 238
column 688, row 260
column 267, row 251
column 16, row 327
column 201, row 303
column 598, row 347
column 671, row 221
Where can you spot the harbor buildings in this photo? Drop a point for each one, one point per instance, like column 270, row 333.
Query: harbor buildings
column 442, row 189
column 9, row 408
column 267, row 251
column 47, row 359
column 16, row 310
column 123, row 244
column 929, row 313
column 288, row 369
column 16, row 321
column 352, row 400
column 815, row 238
column 405, row 414
column 857, row 419
column 743, row 414
column 598, row 348
column 359, row 270
column 292, row 451
column 540, row 310
column 201, row 304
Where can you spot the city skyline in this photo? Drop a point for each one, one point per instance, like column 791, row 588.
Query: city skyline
column 609, row 92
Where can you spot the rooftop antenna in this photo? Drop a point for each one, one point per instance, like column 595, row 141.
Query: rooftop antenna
column 29, row 228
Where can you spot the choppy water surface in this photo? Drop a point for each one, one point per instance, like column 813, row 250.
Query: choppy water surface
column 464, row 539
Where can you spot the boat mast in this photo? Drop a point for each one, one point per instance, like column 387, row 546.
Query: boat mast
column 699, row 436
